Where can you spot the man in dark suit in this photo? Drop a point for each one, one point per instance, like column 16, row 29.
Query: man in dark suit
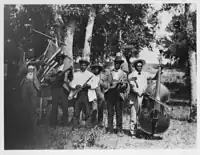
column 115, row 96
column 30, row 86
column 55, row 79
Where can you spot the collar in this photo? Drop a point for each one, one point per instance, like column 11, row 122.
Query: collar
column 116, row 70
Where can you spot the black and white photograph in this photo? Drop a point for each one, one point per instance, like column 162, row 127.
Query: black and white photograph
column 100, row 76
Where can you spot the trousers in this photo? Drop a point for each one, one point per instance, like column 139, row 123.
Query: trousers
column 114, row 104
column 135, row 102
column 30, row 100
column 94, row 110
column 81, row 104
column 59, row 93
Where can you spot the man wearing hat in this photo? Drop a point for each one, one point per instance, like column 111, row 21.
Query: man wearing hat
column 55, row 79
column 30, row 86
column 114, row 96
column 138, row 81
column 87, row 93
column 101, row 79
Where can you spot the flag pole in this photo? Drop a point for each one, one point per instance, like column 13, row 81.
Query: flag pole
column 47, row 36
column 45, row 50
column 52, row 39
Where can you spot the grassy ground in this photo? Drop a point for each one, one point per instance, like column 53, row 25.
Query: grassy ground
column 19, row 134
column 180, row 134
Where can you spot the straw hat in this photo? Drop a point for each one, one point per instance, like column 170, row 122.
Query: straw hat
column 97, row 65
column 84, row 60
column 138, row 61
column 118, row 59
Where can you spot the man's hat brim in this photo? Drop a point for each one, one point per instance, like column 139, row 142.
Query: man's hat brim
column 32, row 63
column 84, row 61
column 118, row 59
column 139, row 61
column 96, row 66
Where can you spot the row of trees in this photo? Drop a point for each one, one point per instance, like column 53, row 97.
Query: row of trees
column 81, row 27
column 101, row 30
column 182, row 45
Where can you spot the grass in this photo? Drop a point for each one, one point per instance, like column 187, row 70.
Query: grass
column 44, row 138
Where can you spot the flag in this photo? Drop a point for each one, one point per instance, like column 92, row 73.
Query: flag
column 49, row 52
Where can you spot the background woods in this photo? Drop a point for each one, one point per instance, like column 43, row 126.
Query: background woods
column 99, row 32
column 94, row 27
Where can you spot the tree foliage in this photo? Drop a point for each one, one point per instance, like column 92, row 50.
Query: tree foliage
column 181, row 39
column 132, row 19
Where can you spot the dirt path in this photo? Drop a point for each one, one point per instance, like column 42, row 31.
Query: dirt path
column 180, row 134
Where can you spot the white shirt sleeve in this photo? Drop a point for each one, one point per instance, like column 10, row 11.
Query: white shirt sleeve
column 73, row 83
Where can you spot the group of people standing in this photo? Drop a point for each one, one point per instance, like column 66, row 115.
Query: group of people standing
column 92, row 89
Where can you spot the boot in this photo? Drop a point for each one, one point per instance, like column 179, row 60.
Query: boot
column 75, row 123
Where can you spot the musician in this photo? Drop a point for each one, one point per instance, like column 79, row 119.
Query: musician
column 86, row 95
column 105, row 81
column 138, row 81
column 114, row 96
column 30, row 86
column 124, row 65
column 97, row 68
column 58, row 92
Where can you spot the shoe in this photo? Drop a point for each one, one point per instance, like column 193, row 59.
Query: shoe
column 109, row 132
column 100, row 124
column 120, row 133
column 65, row 124
column 94, row 115
column 88, row 120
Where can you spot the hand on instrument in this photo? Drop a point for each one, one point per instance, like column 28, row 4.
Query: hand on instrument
column 78, row 86
column 103, row 77
column 88, row 86
column 133, row 79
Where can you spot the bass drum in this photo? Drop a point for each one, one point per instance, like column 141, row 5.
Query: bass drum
column 145, row 120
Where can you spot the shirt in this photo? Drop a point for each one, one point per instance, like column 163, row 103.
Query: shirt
column 121, row 75
column 140, row 82
column 118, row 74
column 81, row 77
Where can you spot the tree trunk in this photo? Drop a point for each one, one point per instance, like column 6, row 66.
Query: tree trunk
column 88, row 34
column 68, row 40
column 192, row 64
column 56, row 24
column 193, row 77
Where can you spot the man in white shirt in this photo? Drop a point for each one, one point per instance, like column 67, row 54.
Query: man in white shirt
column 87, row 94
column 96, row 69
column 138, row 81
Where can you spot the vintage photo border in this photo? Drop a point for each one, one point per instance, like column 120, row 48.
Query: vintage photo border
column 64, row 152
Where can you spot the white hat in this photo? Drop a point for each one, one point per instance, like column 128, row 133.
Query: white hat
column 31, row 67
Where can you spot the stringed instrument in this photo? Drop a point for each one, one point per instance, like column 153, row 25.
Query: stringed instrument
column 153, row 116
column 117, row 80
column 73, row 93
